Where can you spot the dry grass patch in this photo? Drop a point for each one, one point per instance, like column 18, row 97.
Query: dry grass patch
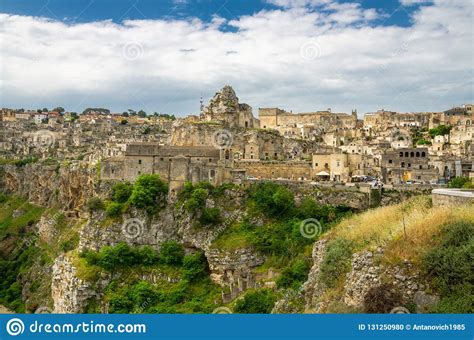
column 405, row 230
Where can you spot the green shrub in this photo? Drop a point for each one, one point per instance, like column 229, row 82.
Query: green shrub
column 210, row 216
column 195, row 266
column 197, row 200
column 440, row 131
column 172, row 253
column 256, row 302
column 149, row 192
column 336, row 261
column 122, row 191
column 293, row 275
column 460, row 182
column 114, row 209
column 272, row 199
column 3, row 198
column 120, row 256
column 449, row 268
column 95, row 204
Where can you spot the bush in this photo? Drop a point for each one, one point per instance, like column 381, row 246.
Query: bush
column 382, row 299
column 460, row 182
column 120, row 256
column 121, row 192
column 197, row 200
column 272, row 199
column 256, row 302
column 210, row 216
column 294, row 275
column 95, row 204
column 114, row 209
column 195, row 266
column 439, row 131
column 450, row 270
column 172, row 253
column 336, row 261
column 3, row 198
column 148, row 192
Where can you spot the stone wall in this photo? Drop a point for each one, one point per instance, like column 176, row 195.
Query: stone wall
column 452, row 197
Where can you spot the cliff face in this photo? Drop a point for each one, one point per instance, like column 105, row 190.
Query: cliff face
column 69, row 185
column 234, row 269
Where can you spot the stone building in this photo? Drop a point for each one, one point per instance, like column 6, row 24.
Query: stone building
column 175, row 164
column 408, row 164
column 277, row 119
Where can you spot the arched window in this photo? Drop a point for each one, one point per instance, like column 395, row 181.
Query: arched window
column 412, row 154
column 227, row 154
column 406, row 154
column 423, row 154
column 417, row 154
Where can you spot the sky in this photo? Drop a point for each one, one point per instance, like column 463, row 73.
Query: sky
column 298, row 55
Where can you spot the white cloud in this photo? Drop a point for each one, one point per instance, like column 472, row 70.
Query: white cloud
column 166, row 65
column 415, row 2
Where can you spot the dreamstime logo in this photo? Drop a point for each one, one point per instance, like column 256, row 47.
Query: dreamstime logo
column 43, row 310
column 222, row 139
column 43, row 138
column 132, row 228
column 399, row 310
column 15, row 327
column 310, row 50
column 310, row 228
column 132, row 51
column 222, row 310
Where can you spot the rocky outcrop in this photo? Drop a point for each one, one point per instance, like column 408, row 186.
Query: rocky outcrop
column 232, row 269
column 366, row 273
column 312, row 288
column 135, row 228
column 69, row 185
column 70, row 294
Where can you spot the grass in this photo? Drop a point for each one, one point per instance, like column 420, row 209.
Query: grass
column 384, row 227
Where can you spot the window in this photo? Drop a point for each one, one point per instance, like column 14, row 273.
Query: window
column 390, row 161
column 417, row 154
column 406, row 154
column 409, row 165
column 210, row 160
column 315, row 164
column 246, row 124
column 403, row 164
column 423, row 154
column 162, row 159
column 421, row 166
column 401, row 154
column 139, row 161
column 412, row 154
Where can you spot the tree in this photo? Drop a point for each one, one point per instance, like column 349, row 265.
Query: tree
column 256, row 302
column 125, row 114
column 172, row 253
column 148, row 192
column 141, row 114
column 124, row 122
column 195, row 266
column 58, row 109
column 122, row 191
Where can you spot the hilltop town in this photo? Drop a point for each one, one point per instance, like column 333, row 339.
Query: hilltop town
column 221, row 212
column 226, row 143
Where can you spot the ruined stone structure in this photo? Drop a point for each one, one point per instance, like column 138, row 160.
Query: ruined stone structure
column 224, row 107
